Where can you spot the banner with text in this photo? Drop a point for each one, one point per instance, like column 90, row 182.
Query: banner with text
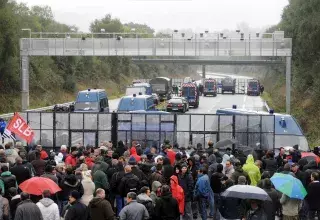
column 19, row 127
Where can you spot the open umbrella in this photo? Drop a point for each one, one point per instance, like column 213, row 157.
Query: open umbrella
column 289, row 185
column 36, row 186
column 246, row 192
column 224, row 143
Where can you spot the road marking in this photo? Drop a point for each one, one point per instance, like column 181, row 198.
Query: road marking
column 244, row 102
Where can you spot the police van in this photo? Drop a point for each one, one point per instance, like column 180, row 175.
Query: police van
column 92, row 100
column 136, row 103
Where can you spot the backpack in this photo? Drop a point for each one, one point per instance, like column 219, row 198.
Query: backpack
column 150, row 208
column 132, row 184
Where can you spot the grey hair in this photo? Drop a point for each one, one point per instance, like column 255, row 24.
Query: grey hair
column 63, row 147
column 132, row 195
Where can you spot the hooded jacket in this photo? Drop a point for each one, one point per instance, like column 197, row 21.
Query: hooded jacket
column 7, row 180
column 11, row 155
column 133, row 153
column 252, row 170
column 69, row 184
column 203, row 188
column 154, row 188
column 167, row 208
column 177, row 193
column 99, row 176
column 49, row 209
column 192, row 169
column 187, row 184
column 22, row 172
column 100, row 209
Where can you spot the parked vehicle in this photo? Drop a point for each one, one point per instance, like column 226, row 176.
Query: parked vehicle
column 136, row 90
column 253, row 87
column 162, row 86
column 136, row 102
column 191, row 92
column 184, row 100
column 228, row 85
column 177, row 105
column 210, row 87
column 147, row 86
column 91, row 100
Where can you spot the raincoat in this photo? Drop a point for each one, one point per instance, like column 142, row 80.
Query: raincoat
column 252, row 170
column 133, row 153
column 177, row 193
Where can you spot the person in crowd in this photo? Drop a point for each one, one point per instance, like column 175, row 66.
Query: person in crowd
column 157, row 176
column 136, row 171
column 299, row 174
column 167, row 170
column 38, row 164
column 20, row 171
column 20, row 149
column 187, row 184
column 312, row 167
column 134, row 154
column 156, row 189
column 313, row 196
column 99, row 174
column 256, row 212
column 204, row 194
column 133, row 210
column 71, row 159
column 120, row 149
column 11, row 154
column 170, row 153
column 15, row 200
column 242, row 180
column 5, row 208
column 144, row 199
column 70, row 183
column 115, row 182
column 77, row 210
column 48, row 208
column 217, row 187
column 7, row 180
column 282, row 157
column 166, row 206
column 271, row 207
column 60, row 173
column 48, row 173
column 27, row 164
column 259, row 164
column 99, row 208
column 43, row 154
column 177, row 193
column 290, row 207
column 270, row 164
column 61, row 157
column 228, row 169
column 192, row 168
column 27, row 210
column 238, row 171
column 88, row 187
column 129, row 182
column 252, row 170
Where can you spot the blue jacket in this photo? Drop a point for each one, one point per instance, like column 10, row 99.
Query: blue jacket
column 203, row 188
column 3, row 125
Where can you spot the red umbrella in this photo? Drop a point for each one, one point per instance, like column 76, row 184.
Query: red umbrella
column 310, row 156
column 36, row 185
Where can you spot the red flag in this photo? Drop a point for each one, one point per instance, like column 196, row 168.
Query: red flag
column 20, row 127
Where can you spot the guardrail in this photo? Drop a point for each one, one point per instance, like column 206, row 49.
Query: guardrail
column 10, row 115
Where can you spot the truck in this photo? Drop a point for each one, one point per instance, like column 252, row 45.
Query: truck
column 228, row 85
column 162, row 86
column 191, row 92
column 253, row 87
column 210, row 87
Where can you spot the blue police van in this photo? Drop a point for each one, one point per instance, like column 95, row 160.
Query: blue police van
column 92, row 100
column 135, row 103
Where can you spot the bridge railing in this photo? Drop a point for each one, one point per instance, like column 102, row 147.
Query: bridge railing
column 54, row 129
column 155, row 47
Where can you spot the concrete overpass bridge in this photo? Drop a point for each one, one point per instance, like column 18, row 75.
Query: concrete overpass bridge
column 268, row 49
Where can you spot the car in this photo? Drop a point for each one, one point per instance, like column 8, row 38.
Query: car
column 177, row 105
column 183, row 99
column 156, row 98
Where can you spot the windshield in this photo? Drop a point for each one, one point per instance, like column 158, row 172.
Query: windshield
column 86, row 106
column 87, row 97
column 131, row 104
column 209, row 84
column 136, row 90
column 287, row 127
column 291, row 140
column 253, row 84
column 188, row 91
column 175, row 101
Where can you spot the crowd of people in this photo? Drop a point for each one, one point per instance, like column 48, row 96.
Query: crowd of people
column 135, row 183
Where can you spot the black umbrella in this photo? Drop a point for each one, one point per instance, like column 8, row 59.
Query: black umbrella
column 246, row 192
column 224, row 143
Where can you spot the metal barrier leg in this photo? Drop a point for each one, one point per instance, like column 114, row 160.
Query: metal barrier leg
column 24, row 82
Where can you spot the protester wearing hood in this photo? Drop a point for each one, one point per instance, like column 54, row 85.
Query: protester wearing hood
column 88, row 187
column 252, row 170
column 192, row 168
column 144, row 199
column 100, row 178
column 133, row 210
column 238, row 171
column 48, row 208
column 99, row 208
column 133, row 153
column 7, row 181
column 167, row 170
column 120, row 148
column 177, row 193
column 166, row 206
column 228, row 169
column 155, row 193
column 11, row 154
column 20, row 171
column 187, row 184
column 213, row 165
column 69, row 184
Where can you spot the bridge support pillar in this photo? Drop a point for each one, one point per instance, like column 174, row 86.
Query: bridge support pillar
column 203, row 73
column 288, row 84
column 24, row 82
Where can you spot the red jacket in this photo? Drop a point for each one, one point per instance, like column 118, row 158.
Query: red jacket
column 177, row 193
column 133, row 153
column 70, row 160
column 89, row 161
column 43, row 155
column 172, row 156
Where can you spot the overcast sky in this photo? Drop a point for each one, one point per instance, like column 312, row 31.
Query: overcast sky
column 199, row 15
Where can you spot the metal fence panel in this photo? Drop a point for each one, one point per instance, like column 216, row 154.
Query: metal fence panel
column 76, row 121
